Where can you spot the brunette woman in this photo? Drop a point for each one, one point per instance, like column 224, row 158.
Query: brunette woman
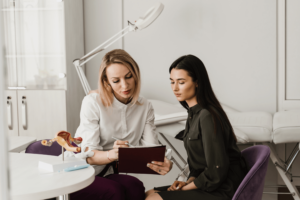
column 216, row 164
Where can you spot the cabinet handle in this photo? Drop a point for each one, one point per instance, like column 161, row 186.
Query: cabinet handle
column 9, row 113
column 24, row 114
column 16, row 88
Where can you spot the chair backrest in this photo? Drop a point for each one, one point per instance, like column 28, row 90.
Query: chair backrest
column 37, row 148
column 251, row 188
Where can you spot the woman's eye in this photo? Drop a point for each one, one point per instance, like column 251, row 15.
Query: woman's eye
column 115, row 81
column 181, row 83
column 128, row 77
column 172, row 82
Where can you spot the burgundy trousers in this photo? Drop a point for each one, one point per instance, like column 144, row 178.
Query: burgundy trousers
column 112, row 187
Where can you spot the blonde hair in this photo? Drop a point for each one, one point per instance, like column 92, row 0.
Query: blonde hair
column 121, row 57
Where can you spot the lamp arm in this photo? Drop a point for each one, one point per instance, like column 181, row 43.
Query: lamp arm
column 140, row 24
column 78, row 62
column 92, row 52
column 82, row 77
column 91, row 56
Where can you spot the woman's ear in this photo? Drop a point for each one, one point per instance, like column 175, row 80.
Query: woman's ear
column 196, row 83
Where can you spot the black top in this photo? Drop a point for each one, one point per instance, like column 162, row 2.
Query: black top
column 210, row 153
column 213, row 157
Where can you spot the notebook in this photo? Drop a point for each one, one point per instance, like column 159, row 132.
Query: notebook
column 134, row 159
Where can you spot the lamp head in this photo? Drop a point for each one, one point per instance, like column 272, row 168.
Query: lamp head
column 149, row 17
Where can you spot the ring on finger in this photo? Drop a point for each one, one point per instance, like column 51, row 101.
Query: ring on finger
column 159, row 170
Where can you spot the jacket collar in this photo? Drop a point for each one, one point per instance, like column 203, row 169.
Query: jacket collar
column 195, row 109
column 119, row 104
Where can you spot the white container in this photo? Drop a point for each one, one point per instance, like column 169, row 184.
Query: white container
column 59, row 165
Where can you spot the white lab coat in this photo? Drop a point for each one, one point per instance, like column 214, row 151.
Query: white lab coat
column 134, row 123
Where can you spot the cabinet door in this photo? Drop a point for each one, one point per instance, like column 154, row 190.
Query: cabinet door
column 42, row 113
column 11, row 105
column 288, row 55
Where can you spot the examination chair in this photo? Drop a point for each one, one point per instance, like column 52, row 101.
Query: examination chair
column 251, row 188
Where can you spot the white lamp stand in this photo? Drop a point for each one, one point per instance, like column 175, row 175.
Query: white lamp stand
column 140, row 24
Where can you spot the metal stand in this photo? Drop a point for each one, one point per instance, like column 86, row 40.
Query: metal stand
column 173, row 159
column 173, row 148
column 63, row 197
column 283, row 170
column 63, row 153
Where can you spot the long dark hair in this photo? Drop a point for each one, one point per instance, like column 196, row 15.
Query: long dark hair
column 206, row 97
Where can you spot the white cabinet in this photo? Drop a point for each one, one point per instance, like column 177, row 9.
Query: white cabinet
column 12, row 112
column 43, row 91
column 288, row 55
column 39, row 113
column 292, row 50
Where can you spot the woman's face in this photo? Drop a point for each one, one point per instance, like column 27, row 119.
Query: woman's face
column 121, row 81
column 183, row 86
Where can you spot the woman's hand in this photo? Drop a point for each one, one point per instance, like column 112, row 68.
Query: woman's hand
column 161, row 167
column 189, row 186
column 119, row 143
column 177, row 186
column 114, row 153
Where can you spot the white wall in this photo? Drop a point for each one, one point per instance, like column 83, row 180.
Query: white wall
column 235, row 39
column 102, row 19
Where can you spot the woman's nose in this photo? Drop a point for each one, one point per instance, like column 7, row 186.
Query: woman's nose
column 175, row 87
column 124, row 84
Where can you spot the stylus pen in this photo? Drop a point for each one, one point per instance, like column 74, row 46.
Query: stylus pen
column 127, row 143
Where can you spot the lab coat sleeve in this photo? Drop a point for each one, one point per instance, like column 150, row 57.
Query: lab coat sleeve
column 89, row 124
column 215, row 154
column 150, row 135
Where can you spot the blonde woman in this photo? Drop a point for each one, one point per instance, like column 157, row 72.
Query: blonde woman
column 116, row 110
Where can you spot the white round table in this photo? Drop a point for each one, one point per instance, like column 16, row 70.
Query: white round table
column 27, row 182
column 19, row 143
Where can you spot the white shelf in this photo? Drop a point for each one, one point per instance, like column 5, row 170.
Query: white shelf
column 31, row 9
column 35, row 56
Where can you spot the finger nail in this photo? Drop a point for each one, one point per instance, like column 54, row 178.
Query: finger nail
column 152, row 162
column 148, row 165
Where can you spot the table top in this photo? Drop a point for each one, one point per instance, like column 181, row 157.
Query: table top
column 19, row 143
column 27, row 182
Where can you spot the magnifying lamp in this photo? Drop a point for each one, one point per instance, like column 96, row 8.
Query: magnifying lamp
column 144, row 21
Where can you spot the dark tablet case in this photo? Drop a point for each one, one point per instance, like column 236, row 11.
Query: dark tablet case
column 134, row 160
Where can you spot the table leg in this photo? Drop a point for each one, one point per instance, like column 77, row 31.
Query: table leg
column 63, row 153
column 64, row 197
